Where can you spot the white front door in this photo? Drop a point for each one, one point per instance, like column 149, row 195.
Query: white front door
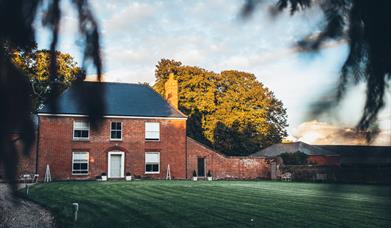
column 116, row 164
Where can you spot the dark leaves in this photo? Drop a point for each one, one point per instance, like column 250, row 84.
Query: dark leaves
column 17, row 33
column 366, row 25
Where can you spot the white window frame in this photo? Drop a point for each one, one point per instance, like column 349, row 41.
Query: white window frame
column 111, row 129
column 88, row 163
column 149, row 131
column 151, row 163
column 82, row 129
column 122, row 163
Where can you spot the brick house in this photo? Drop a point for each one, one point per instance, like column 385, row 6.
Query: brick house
column 142, row 133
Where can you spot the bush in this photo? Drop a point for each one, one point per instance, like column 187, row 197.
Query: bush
column 194, row 173
column 103, row 174
column 209, row 173
column 297, row 158
column 128, row 174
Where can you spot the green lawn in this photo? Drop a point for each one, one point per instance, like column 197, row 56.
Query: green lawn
column 216, row 204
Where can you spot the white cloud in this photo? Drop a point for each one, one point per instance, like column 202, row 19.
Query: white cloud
column 322, row 133
column 133, row 16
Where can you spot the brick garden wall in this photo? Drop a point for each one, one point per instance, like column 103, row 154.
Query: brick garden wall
column 225, row 167
column 56, row 145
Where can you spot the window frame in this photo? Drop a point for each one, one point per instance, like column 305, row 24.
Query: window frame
column 151, row 163
column 88, row 163
column 145, row 132
column 111, row 130
column 81, row 129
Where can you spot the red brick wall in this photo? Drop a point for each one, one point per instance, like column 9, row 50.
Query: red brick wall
column 56, row 146
column 224, row 167
column 323, row 160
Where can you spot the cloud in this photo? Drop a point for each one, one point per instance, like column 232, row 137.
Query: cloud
column 135, row 14
column 322, row 133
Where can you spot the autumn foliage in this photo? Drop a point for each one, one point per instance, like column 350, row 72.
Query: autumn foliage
column 230, row 111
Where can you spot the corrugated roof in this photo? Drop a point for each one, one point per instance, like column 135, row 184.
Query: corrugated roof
column 277, row 149
column 121, row 99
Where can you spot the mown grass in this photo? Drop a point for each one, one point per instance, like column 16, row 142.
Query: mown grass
column 215, row 204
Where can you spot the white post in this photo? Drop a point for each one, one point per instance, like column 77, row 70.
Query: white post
column 75, row 209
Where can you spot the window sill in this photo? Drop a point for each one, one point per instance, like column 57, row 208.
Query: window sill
column 152, row 172
column 116, row 140
column 152, row 140
column 80, row 174
column 81, row 139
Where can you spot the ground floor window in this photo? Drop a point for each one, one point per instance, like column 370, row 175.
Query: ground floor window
column 80, row 163
column 152, row 162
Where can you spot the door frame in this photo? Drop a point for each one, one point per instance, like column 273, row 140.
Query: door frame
column 122, row 163
column 204, row 158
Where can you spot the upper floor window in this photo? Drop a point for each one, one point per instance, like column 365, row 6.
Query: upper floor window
column 152, row 131
column 81, row 130
column 116, row 131
column 80, row 163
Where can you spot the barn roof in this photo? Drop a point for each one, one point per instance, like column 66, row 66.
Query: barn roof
column 358, row 154
column 121, row 99
column 277, row 149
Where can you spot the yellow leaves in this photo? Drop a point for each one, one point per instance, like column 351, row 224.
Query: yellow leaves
column 231, row 110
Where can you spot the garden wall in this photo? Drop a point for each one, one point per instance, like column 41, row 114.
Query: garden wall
column 341, row 174
column 225, row 167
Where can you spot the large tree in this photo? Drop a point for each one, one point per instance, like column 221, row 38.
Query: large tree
column 366, row 26
column 36, row 65
column 230, row 111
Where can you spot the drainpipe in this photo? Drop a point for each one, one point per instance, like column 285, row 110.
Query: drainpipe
column 37, row 145
column 186, row 153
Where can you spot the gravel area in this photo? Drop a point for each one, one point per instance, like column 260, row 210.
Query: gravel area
column 16, row 212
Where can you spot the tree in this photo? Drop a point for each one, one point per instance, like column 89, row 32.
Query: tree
column 36, row 63
column 17, row 19
column 366, row 26
column 230, row 111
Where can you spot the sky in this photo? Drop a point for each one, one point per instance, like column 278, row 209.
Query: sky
column 212, row 35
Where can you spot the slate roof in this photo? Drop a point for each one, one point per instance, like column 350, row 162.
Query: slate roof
column 121, row 99
column 277, row 149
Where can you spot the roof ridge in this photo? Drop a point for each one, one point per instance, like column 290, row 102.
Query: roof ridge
column 129, row 83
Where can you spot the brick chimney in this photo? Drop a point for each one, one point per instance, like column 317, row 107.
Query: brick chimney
column 171, row 91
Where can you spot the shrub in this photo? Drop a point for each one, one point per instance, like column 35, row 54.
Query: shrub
column 103, row 174
column 194, row 173
column 209, row 173
column 128, row 174
column 296, row 158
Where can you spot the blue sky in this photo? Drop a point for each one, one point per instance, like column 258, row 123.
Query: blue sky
column 211, row 35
